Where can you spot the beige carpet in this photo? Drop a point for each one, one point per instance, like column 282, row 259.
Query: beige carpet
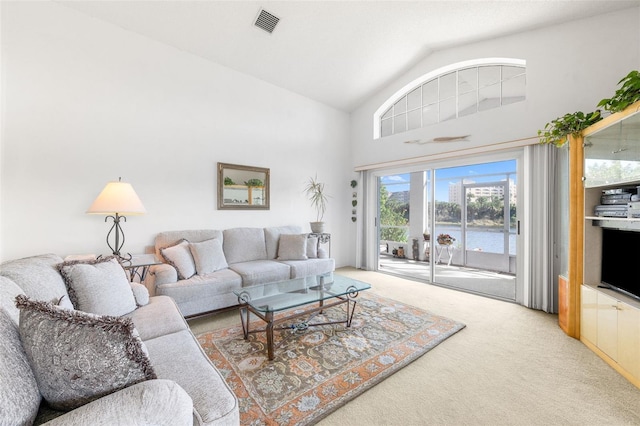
column 510, row 365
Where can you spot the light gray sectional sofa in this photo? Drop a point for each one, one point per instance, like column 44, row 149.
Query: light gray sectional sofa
column 200, row 274
column 177, row 383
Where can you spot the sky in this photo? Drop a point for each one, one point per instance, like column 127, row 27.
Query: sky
column 475, row 172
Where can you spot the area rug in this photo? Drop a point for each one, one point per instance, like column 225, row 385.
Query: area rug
column 318, row 369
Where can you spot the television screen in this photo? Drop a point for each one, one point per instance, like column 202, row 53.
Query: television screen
column 620, row 258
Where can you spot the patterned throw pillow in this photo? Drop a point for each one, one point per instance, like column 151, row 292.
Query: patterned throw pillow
column 78, row 357
column 208, row 256
column 179, row 256
column 98, row 286
column 292, row 247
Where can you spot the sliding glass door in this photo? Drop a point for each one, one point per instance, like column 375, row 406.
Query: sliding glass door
column 453, row 226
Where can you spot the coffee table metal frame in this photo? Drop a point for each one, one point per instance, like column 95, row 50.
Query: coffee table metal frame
column 326, row 300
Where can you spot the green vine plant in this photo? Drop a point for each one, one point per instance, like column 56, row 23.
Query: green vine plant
column 556, row 131
column 626, row 95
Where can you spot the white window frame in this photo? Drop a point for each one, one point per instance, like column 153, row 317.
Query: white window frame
column 404, row 91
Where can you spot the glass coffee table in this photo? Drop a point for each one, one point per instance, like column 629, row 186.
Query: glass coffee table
column 315, row 293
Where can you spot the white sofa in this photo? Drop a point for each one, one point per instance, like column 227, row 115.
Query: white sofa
column 188, row 388
column 249, row 256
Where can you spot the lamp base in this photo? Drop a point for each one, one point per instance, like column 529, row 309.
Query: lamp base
column 115, row 249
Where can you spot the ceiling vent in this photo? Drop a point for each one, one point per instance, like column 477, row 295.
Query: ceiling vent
column 266, row 21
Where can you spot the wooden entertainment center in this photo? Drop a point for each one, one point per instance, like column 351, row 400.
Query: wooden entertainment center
column 606, row 321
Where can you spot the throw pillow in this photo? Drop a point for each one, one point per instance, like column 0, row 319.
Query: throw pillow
column 140, row 293
column 78, row 357
column 312, row 247
column 98, row 286
column 208, row 256
column 18, row 387
column 179, row 256
column 292, row 247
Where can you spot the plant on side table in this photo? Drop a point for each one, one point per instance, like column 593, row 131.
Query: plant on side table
column 315, row 193
column 445, row 239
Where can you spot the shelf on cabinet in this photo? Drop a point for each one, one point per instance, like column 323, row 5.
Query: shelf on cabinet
column 615, row 222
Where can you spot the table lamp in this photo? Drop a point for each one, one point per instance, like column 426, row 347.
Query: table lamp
column 116, row 200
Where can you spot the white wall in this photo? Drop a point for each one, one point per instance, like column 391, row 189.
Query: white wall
column 85, row 102
column 570, row 67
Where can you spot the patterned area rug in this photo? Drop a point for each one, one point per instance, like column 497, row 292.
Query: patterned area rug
column 319, row 369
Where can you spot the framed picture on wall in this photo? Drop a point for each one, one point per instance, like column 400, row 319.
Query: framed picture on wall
column 242, row 187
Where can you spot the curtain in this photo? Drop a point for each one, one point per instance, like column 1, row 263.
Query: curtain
column 542, row 289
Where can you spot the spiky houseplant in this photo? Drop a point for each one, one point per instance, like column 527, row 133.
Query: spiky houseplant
column 317, row 196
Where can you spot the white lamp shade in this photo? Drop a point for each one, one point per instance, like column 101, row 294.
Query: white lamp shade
column 117, row 197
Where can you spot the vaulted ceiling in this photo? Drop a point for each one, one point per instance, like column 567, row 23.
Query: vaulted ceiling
column 336, row 52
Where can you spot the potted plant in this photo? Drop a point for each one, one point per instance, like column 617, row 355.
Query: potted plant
column 556, row 131
column 627, row 94
column 445, row 239
column 315, row 193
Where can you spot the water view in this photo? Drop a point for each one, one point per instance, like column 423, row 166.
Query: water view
column 490, row 240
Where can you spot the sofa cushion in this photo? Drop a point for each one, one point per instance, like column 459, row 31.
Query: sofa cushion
column 244, row 245
column 18, row 388
column 38, row 278
column 292, row 247
column 261, row 271
column 312, row 247
column 310, row 267
column 169, row 238
column 153, row 402
column 140, row 294
column 76, row 356
column 272, row 238
column 98, row 286
column 8, row 292
column 180, row 358
column 203, row 293
column 146, row 321
column 208, row 256
column 179, row 256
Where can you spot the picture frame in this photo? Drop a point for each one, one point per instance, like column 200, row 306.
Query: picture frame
column 243, row 187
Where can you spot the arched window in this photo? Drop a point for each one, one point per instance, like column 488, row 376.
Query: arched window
column 451, row 92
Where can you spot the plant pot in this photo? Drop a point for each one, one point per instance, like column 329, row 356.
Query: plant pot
column 317, row 227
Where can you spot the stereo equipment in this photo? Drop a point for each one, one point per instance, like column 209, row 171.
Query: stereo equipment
column 619, row 202
column 616, row 198
column 611, row 211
